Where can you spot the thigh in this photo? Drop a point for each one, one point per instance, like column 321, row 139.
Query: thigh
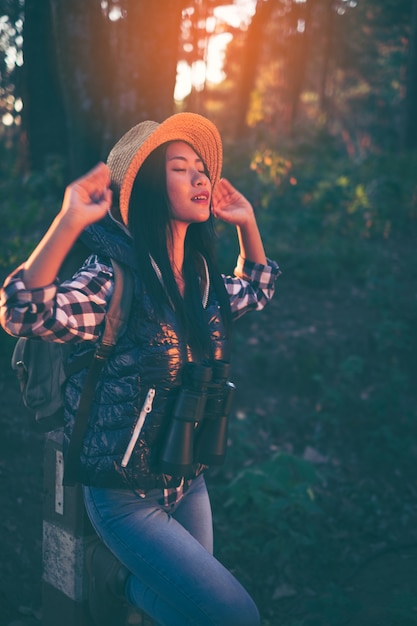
column 174, row 578
column 194, row 513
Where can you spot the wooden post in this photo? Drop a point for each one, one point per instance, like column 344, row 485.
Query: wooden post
column 66, row 532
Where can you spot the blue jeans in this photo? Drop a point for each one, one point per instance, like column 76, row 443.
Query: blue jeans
column 169, row 551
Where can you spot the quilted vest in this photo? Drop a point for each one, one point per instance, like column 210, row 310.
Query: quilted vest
column 150, row 355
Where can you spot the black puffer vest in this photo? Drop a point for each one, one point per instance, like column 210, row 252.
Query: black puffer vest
column 150, row 354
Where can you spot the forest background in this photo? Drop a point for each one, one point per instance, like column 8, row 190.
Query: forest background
column 315, row 509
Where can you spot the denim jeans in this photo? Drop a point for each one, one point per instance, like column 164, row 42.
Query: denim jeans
column 169, row 551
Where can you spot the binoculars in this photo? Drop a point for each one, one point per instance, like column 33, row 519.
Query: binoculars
column 198, row 429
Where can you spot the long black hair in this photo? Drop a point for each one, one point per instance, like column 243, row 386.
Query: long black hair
column 149, row 221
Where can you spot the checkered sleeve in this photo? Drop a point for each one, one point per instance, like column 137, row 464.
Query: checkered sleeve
column 252, row 286
column 70, row 311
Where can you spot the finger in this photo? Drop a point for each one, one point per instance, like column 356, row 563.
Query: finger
column 96, row 181
column 94, row 185
column 226, row 184
column 100, row 195
column 220, row 193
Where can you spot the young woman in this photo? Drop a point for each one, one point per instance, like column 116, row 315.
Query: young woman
column 153, row 408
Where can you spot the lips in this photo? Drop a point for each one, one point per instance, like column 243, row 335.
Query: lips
column 203, row 196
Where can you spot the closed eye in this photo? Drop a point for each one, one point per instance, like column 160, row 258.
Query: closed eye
column 181, row 169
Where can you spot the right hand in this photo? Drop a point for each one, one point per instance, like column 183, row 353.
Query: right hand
column 86, row 201
column 88, row 198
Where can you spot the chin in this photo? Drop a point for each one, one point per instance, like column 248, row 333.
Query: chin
column 201, row 219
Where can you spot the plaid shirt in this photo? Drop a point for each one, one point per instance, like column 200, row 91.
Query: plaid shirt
column 74, row 310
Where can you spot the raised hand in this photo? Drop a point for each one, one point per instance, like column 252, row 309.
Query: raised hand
column 88, row 198
column 230, row 205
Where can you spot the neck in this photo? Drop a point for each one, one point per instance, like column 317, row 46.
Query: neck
column 176, row 253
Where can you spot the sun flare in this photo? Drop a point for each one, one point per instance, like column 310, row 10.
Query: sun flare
column 210, row 69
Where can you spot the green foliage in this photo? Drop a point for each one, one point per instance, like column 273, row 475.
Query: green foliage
column 328, row 210
column 321, row 470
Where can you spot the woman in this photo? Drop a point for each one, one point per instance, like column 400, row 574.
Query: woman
column 145, row 495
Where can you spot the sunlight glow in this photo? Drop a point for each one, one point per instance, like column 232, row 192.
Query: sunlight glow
column 210, row 70
column 238, row 14
column 115, row 14
column 301, row 26
column 7, row 119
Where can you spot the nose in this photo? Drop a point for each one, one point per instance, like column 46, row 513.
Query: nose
column 200, row 178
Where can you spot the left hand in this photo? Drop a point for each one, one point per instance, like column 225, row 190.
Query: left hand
column 230, row 205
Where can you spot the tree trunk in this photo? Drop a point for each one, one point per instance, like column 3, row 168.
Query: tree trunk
column 80, row 32
column 298, row 46
column 114, row 74
column 145, row 46
column 250, row 61
column 327, row 56
column 43, row 118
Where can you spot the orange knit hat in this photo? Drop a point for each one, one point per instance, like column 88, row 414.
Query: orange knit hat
column 129, row 153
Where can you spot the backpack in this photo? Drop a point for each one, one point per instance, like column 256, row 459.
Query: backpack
column 42, row 367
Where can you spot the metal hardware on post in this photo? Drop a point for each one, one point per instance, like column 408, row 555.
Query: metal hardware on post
column 59, row 489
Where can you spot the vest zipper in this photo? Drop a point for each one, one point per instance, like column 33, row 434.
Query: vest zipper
column 146, row 408
column 205, row 297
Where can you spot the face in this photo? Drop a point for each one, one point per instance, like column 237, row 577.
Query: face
column 189, row 188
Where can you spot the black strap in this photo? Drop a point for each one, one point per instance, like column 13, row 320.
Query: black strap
column 116, row 319
column 72, row 456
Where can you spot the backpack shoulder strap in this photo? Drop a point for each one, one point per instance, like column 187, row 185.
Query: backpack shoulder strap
column 119, row 308
column 115, row 322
